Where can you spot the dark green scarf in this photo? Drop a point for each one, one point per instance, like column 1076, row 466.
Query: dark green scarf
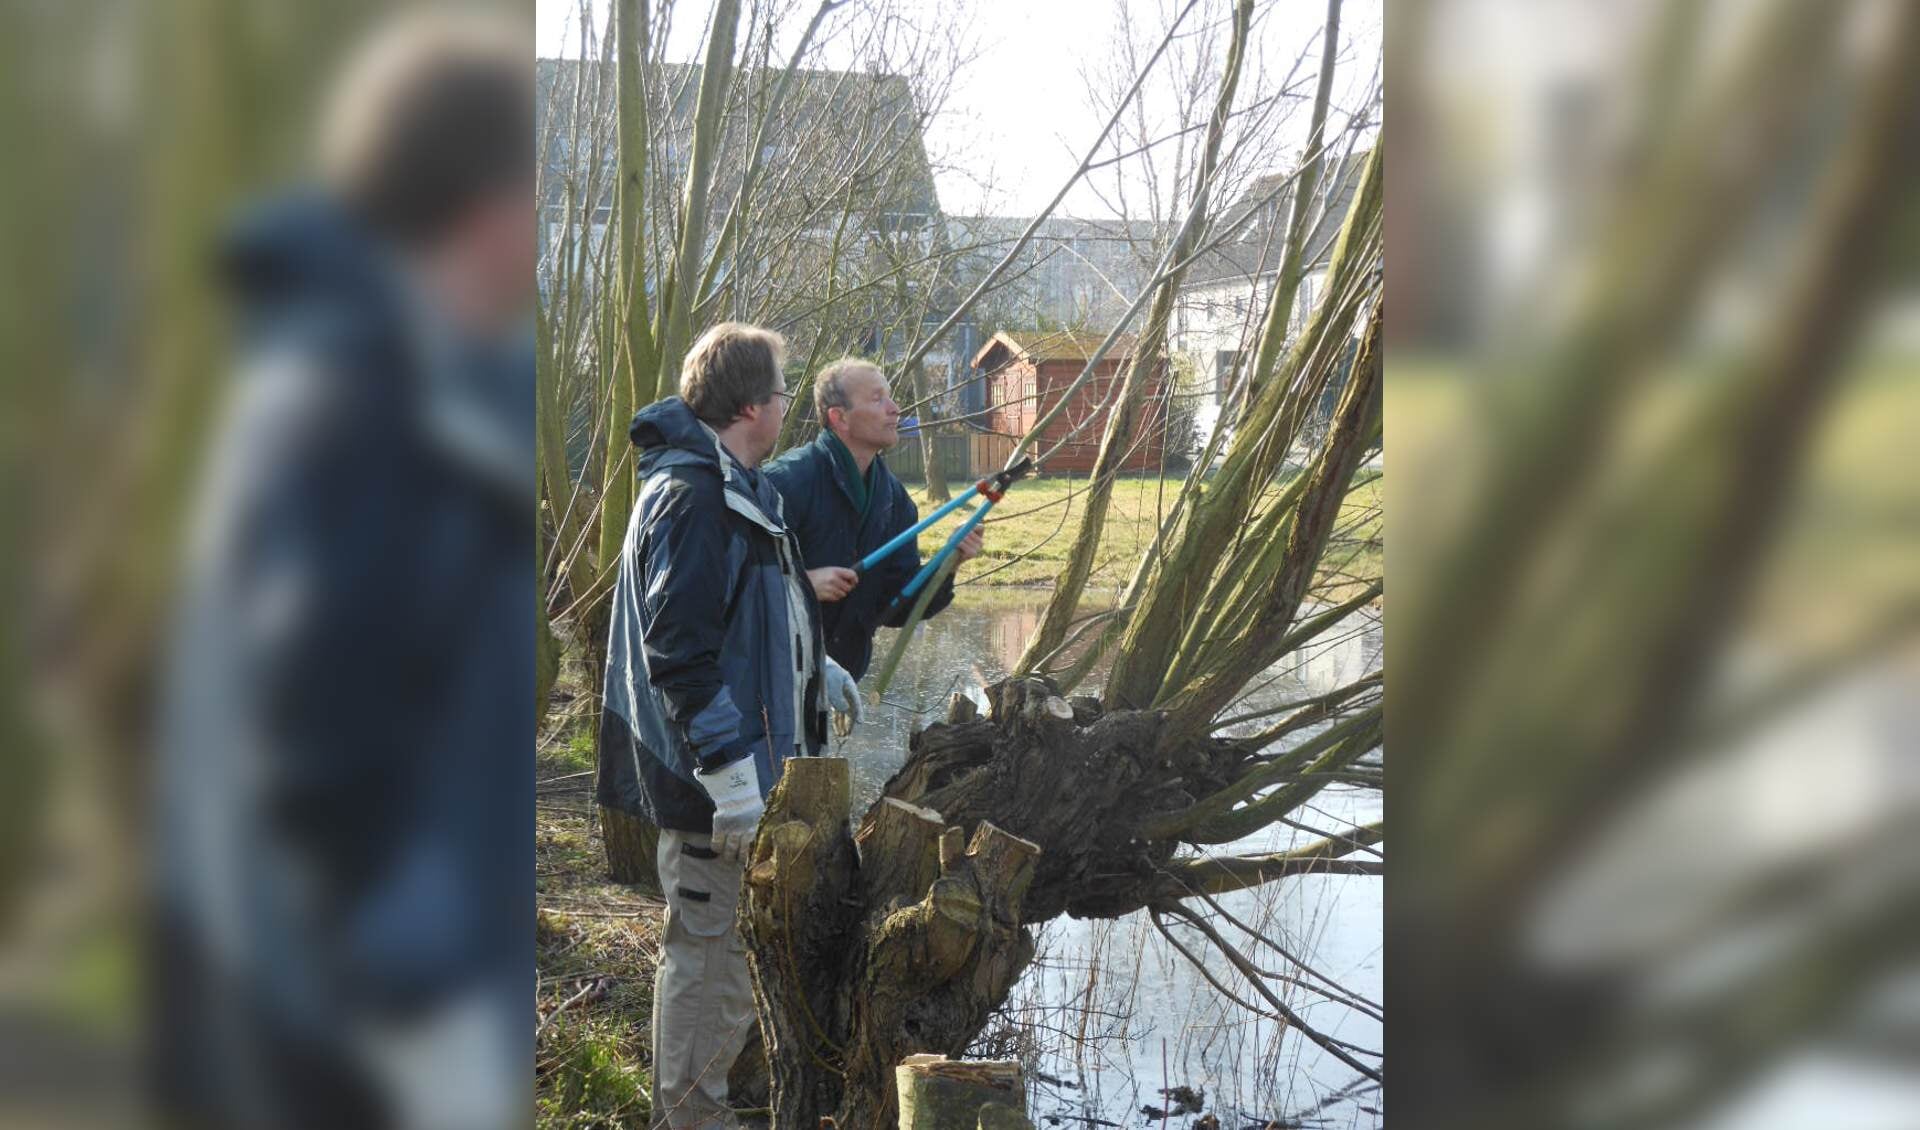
column 862, row 487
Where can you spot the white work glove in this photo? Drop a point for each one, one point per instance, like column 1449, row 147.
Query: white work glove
column 843, row 697
column 448, row 1070
column 737, row 805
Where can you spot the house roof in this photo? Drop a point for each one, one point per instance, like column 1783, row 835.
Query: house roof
column 1254, row 226
column 1055, row 345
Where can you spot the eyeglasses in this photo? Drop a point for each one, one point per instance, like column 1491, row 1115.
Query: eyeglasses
column 784, row 394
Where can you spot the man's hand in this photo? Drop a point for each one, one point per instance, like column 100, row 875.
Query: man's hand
column 737, row 805
column 969, row 547
column 831, row 583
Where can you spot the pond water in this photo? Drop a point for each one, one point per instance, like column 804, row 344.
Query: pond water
column 1111, row 1013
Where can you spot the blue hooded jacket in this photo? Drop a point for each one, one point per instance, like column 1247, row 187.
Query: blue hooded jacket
column 343, row 782
column 714, row 642
column 823, row 515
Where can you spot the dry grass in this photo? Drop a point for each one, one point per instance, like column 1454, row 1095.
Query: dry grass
column 595, row 945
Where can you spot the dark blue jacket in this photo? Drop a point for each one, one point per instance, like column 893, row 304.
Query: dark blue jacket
column 344, row 785
column 822, row 514
column 712, row 653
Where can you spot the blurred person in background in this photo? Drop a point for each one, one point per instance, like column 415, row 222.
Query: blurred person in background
column 344, row 880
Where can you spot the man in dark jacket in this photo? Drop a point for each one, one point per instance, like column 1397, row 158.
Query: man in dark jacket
column 843, row 503
column 715, row 677
column 344, row 856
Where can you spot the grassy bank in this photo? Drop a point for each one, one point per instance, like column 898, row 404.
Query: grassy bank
column 594, row 947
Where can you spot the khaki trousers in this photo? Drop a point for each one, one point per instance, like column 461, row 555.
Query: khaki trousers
column 702, row 996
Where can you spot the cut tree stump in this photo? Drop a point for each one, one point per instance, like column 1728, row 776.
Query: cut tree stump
column 904, row 938
column 996, row 1116
column 937, row 1093
column 861, row 959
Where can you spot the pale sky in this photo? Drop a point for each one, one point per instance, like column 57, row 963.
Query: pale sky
column 1021, row 115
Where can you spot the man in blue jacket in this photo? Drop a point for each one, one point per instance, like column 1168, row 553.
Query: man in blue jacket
column 715, row 677
column 343, row 859
column 843, row 503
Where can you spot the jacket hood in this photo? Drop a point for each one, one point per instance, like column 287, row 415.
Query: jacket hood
column 302, row 270
column 669, row 428
column 295, row 251
column 668, row 434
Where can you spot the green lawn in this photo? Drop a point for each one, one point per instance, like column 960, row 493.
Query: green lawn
column 1031, row 531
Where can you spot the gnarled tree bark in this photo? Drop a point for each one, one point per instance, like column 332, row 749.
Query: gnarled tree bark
column 903, row 937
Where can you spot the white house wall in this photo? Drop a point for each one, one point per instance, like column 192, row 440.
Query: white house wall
column 1225, row 317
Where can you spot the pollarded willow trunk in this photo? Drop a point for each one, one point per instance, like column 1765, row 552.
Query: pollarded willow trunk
column 632, row 847
column 903, row 937
column 856, row 968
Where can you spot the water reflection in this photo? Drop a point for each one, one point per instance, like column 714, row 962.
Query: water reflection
column 1111, row 1013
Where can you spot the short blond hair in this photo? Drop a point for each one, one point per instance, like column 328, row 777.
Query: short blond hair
column 732, row 366
column 830, row 387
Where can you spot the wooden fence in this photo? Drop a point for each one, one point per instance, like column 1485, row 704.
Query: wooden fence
column 991, row 450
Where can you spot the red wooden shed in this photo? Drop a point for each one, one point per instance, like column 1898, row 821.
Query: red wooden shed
column 1027, row 372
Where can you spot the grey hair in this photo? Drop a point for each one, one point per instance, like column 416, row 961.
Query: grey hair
column 830, row 387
